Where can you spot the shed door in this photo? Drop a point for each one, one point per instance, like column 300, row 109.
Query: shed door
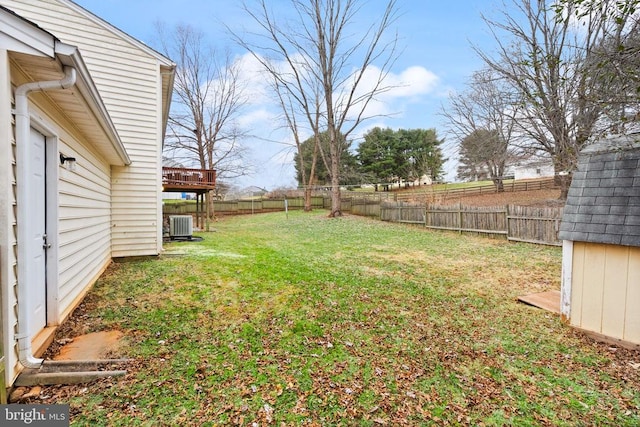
column 37, row 232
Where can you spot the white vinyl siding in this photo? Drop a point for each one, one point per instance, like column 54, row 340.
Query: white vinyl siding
column 8, row 220
column 129, row 83
column 84, row 222
column 103, row 211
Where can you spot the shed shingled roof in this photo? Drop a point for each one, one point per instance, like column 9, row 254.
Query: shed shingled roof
column 603, row 204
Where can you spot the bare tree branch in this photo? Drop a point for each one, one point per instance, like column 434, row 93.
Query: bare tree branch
column 314, row 50
column 544, row 55
column 209, row 97
column 483, row 119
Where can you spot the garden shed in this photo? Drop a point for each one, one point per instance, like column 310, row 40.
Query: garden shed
column 600, row 230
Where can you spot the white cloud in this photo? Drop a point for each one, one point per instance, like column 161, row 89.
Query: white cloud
column 411, row 85
column 252, row 74
column 412, row 82
column 257, row 117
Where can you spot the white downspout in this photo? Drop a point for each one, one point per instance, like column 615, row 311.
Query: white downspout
column 25, row 242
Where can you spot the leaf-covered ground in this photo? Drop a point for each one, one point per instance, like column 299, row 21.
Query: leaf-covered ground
column 304, row 320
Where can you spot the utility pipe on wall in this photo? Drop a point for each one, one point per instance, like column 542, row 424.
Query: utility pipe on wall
column 25, row 243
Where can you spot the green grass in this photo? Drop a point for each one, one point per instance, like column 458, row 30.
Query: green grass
column 347, row 321
column 178, row 202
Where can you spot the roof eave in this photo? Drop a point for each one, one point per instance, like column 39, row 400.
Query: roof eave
column 70, row 55
column 26, row 36
column 168, row 74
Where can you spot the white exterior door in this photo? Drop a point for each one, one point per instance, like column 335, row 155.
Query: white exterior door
column 37, row 232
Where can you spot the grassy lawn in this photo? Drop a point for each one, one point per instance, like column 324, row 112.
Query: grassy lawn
column 314, row 321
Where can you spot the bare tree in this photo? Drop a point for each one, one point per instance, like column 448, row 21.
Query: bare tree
column 482, row 118
column 615, row 60
column 290, row 113
column 208, row 99
column 543, row 55
column 314, row 47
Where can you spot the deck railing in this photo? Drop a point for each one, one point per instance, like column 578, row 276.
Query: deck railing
column 183, row 177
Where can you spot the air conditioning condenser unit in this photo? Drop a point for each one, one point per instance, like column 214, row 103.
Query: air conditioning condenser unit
column 180, row 226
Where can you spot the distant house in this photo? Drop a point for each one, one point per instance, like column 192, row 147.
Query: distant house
column 423, row 180
column 83, row 110
column 531, row 168
column 601, row 249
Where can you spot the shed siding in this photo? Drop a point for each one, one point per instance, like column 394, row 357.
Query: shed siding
column 632, row 311
column 606, row 290
column 593, row 289
column 128, row 81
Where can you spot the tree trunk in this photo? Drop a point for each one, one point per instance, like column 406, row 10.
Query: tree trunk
column 307, row 199
column 499, row 184
column 562, row 176
column 334, row 149
column 565, row 183
column 211, row 212
column 336, row 199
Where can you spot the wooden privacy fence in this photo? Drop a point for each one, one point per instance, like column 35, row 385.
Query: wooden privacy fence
column 428, row 194
column 516, row 223
column 363, row 207
column 243, row 207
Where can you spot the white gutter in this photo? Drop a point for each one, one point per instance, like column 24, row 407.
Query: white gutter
column 25, row 242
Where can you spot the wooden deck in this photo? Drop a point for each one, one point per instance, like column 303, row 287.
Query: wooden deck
column 188, row 180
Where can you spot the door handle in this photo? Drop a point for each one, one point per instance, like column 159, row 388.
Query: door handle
column 45, row 244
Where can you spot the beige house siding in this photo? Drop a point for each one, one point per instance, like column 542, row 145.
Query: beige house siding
column 128, row 80
column 605, row 290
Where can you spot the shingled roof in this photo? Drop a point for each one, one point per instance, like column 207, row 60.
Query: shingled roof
column 603, row 204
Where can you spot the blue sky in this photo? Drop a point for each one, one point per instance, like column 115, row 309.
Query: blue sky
column 437, row 59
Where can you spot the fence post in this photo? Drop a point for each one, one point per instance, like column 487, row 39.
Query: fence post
column 207, row 214
column 460, row 217
column 426, row 215
column 508, row 222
